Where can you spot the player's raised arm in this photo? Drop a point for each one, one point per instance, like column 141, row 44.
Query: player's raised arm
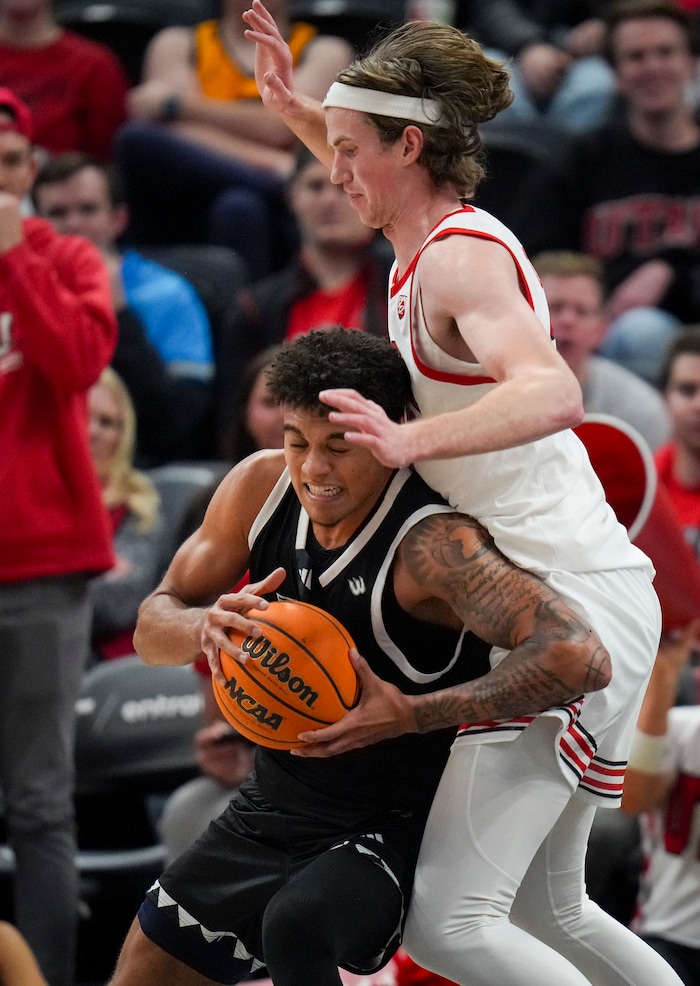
column 275, row 79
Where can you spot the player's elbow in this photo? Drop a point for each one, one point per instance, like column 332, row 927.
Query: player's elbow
column 145, row 642
column 570, row 409
column 583, row 667
column 594, row 665
column 566, row 403
column 573, row 412
column 139, row 641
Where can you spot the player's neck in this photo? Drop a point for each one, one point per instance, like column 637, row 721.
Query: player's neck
column 408, row 231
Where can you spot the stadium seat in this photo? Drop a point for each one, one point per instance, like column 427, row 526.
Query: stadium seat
column 510, row 158
column 358, row 21
column 134, row 746
column 179, row 484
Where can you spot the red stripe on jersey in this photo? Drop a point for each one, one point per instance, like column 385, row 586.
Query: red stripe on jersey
column 443, row 376
column 598, row 786
column 618, row 771
column 605, row 778
column 395, row 285
column 574, row 757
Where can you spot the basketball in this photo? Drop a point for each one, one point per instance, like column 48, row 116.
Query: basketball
column 298, row 675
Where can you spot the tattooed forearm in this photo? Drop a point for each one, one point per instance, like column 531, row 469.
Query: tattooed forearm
column 554, row 656
column 502, row 694
column 522, row 684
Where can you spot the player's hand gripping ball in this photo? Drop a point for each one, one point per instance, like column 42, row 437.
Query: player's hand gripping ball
column 298, row 675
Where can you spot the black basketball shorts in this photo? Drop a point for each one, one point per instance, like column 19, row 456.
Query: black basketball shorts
column 207, row 907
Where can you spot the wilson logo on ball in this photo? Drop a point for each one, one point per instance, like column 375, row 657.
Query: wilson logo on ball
column 277, row 666
column 298, row 675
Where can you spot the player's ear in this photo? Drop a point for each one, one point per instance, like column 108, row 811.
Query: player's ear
column 413, row 141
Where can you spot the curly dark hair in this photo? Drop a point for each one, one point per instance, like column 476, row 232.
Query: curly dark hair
column 339, row 357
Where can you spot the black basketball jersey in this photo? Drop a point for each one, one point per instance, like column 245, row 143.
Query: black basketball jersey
column 355, row 584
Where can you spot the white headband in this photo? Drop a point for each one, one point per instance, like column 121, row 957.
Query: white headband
column 344, row 97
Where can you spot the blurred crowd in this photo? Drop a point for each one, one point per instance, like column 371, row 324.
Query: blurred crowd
column 150, row 202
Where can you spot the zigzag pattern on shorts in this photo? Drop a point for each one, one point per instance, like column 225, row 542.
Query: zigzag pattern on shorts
column 185, row 920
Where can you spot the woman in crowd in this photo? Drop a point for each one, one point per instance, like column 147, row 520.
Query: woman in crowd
column 134, row 508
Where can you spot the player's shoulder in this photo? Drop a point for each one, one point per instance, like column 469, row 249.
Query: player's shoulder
column 257, row 472
column 240, row 495
column 449, row 525
column 434, row 517
column 468, row 233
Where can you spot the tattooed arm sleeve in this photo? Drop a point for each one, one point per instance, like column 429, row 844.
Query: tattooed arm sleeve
column 554, row 656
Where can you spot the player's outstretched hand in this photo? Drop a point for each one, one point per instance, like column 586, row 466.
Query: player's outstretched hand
column 273, row 59
column 229, row 611
column 369, row 426
column 383, row 712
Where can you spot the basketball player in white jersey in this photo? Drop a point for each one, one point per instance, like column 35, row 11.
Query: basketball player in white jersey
column 494, row 404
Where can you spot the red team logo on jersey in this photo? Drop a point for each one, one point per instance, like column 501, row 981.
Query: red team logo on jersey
column 401, row 306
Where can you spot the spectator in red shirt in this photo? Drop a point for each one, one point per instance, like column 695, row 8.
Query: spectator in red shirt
column 57, row 332
column 75, row 88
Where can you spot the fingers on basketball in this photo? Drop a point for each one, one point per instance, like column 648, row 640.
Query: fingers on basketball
column 298, row 675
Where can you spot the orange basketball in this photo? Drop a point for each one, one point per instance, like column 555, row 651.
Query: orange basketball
column 298, row 675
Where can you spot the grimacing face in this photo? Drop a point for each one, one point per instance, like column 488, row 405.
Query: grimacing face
column 337, row 483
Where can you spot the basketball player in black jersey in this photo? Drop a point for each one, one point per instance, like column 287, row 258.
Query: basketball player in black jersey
column 310, row 866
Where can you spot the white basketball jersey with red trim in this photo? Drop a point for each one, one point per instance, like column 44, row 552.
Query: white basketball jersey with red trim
column 670, row 885
column 542, row 502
